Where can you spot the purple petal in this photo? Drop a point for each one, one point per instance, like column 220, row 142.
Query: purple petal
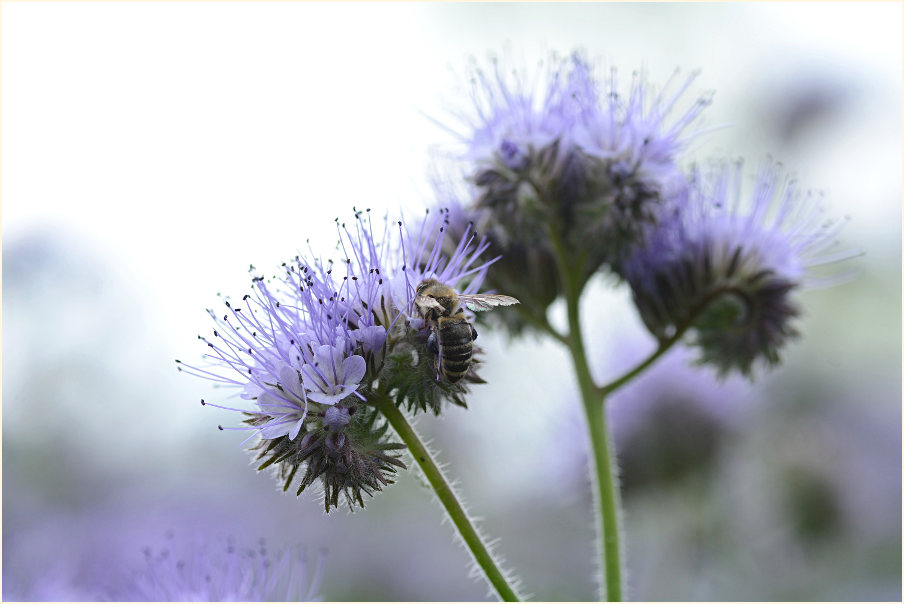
column 354, row 368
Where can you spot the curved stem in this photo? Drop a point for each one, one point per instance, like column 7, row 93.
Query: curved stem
column 447, row 497
column 603, row 475
column 667, row 343
column 630, row 375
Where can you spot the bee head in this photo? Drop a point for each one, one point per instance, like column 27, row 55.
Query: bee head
column 424, row 285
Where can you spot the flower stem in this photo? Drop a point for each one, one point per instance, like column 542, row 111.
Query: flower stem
column 604, row 475
column 604, row 461
column 664, row 344
column 630, row 375
column 447, row 497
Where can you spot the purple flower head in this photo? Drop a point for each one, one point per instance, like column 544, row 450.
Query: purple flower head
column 728, row 265
column 520, row 139
column 565, row 157
column 515, row 117
column 305, row 349
column 224, row 572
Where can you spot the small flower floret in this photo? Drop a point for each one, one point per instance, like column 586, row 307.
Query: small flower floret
column 333, row 375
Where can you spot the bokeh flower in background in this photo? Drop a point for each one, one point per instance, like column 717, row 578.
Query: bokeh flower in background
column 307, row 348
column 223, row 572
column 145, row 551
column 671, row 424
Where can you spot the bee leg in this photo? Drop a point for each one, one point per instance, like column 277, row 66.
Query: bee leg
column 433, row 347
column 473, row 333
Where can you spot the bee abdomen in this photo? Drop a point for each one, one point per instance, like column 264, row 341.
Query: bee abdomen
column 455, row 342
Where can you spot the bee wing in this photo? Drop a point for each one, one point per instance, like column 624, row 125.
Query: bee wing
column 427, row 303
column 482, row 302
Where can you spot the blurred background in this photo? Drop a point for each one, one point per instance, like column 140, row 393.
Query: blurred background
column 152, row 151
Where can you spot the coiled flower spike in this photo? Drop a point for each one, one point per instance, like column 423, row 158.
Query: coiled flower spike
column 729, row 266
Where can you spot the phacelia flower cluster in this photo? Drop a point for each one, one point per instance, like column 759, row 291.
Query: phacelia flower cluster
column 569, row 161
column 309, row 348
column 728, row 266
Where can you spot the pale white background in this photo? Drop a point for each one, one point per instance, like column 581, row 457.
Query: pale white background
column 154, row 150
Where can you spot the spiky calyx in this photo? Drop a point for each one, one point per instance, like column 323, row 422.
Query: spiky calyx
column 351, row 460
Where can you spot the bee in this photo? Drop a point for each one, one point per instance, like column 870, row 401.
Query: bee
column 451, row 335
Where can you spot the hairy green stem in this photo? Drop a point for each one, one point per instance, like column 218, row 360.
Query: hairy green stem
column 446, row 496
column 604, row 460
column 604, row 475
